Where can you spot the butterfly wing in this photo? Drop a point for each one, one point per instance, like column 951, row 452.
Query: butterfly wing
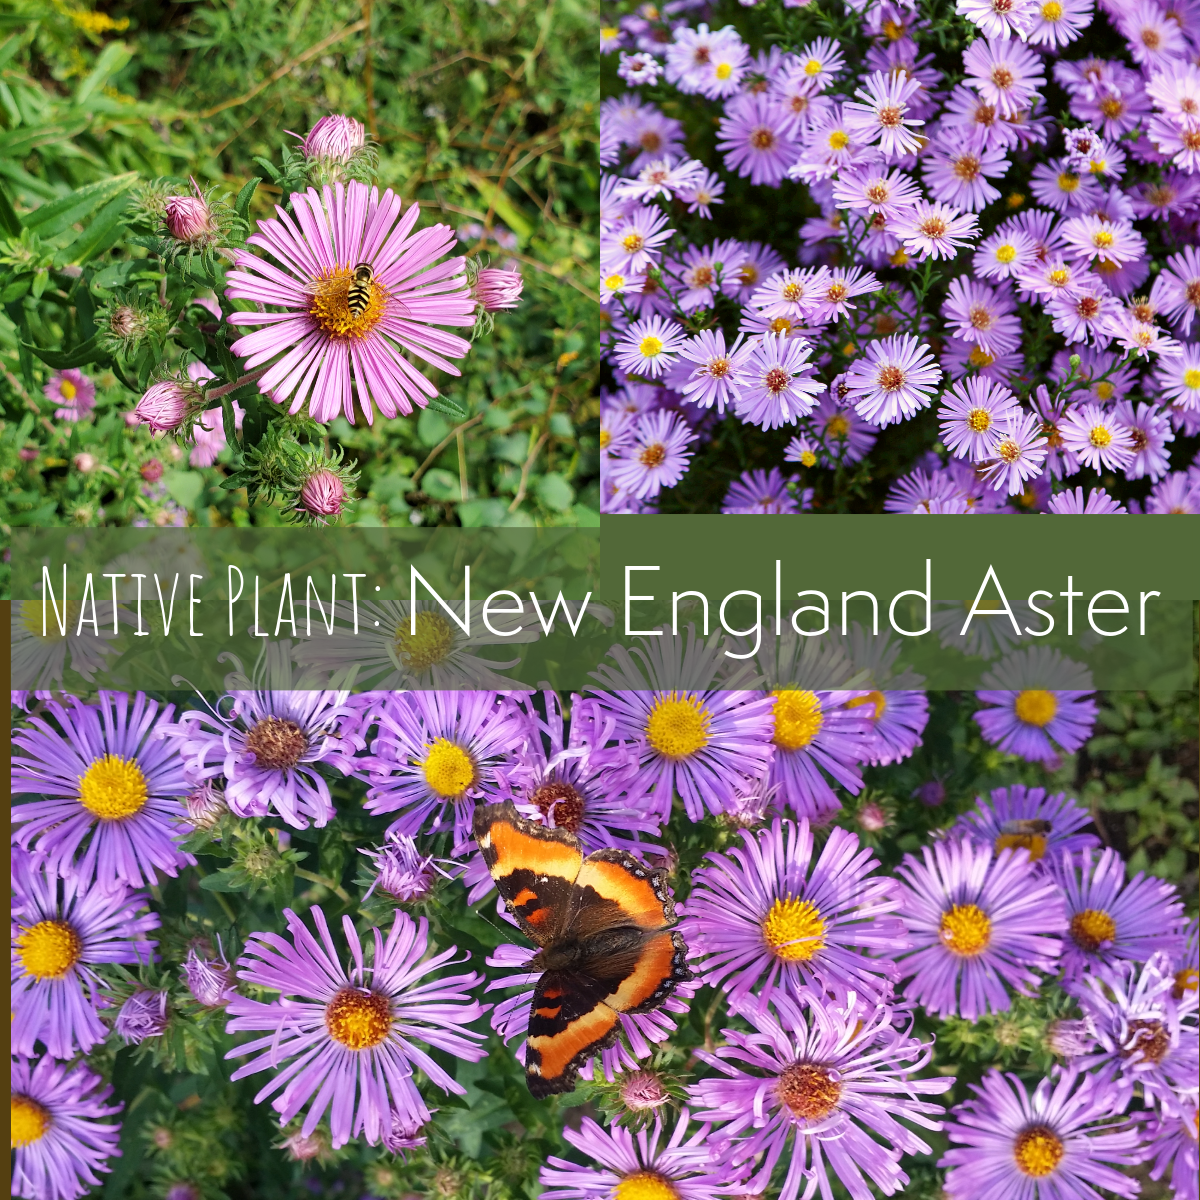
column 614, row 888
column 534, row 868
column 568, row 1023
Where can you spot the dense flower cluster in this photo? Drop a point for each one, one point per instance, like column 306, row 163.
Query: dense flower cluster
column 996, row 225
column 829, row 966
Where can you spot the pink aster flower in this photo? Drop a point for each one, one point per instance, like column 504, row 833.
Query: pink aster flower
column 496, row 289
column 188, row 218
column 633, row 244
column 1176, row 291
column 163, row 406
column 329, row 352
column 1058, row 22
column 883, row 115
column 935, row 230
column 1097, row 438
column 1004, row 255
column 1179, row 378
column 649, row 346
column 969, row 415
column 957, row 170
column 73, row 391
column 877, row 189
column 999, row 18
column 830, row 145
column 753, row 135
column 1059, row 188
column 1177, row 495
column 778, row 386
column 1004, row 72
column 983, row 315
column 1153, row 37
column 894, row 379
column 719, row 372
column 1115, row 241
column 1086, row 314
column 1019, row 452
column 833, row 291
column 659, row 457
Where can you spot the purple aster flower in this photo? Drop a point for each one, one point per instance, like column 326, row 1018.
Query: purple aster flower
column 1096, row 438
column 831, row 299
column 1028, row 817
column 898, row 719
column 1004, row 72
column 756, row 139
column 704, row 743
column 73, row 392
column 1032, row 722
column 1063, row 1141
column 935, row 230
column 1058, row 22
column 436, row 755
column 703, row 191
column 1177, row 495
column 957, row 170
column 1018, row 454
column 634, row 1166
column 765, row 918
column 1004, row 255
column 144, row 1015
column 969, row 414
column 1176, row 290
column 777, row 386
column 402, row 872
column 761, row 262
column 107, row 780
column 210, row 980
column 1089, row 237
column 62, row 929
column 846, row 436
column 60, row 1143
column 883, row 116
column 982, row 314
column 267, row 746
column 639, row 68
column 823, row 1086
column 356, row 1041
column 659, row 457
column 894, row 379
column 633, row 243
column 1072, row 503
column 1111, row 920
column 757, row 492
column 649, row 346
column 999, row 18
column 706, row 272
column 331, row 355
column 1171, row 1142
column 1150, row 431
column 877, row 188
column 719, row 372
column 982, row 923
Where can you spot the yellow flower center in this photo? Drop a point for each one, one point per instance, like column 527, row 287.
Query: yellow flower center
column 878, row 699
column 1036, row 708
column 1038, row 1151
column 449, row 769
column 358, row 1019
column 899, row 257
column 979, row 420
column 1105, row 390
column 1191, row 379
column 724, row 70
column 330, row 304
column 794, row 929
column 430, row 645
column 650, row 346
column 66, row 389
column 1035, row 843
column 1006, row 253
column 812, row 67
column 837, row 426
column 633, row 242
column 1052, row 11
column 28, row 1121
column 1092, row 928
column 1100, row 436
column 1187, row 980
column 609, row 31
column 965, row 930
column 1102, row 239
column 113, row 788
column 645, row 1185
column 1059, row 277
column 807, row 458
column 49, row 949
column 605, row 438
column 1068, row 181
column 31, row 619
column 614, row 282
column 678, row 725
column 838, row 140
column 798, row 717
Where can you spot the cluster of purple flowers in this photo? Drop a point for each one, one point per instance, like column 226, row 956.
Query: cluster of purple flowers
column 1053, row 351
column 825, row 962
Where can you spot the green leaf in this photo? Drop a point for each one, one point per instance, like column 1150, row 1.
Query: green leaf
column 452, row 408
column 184, row 487
column 242, row 204
column 88, row 352
column 9, row 221
column 91, row 241
column 19, row 142
column 270, row 168
column 112, row 59
column 224, row 880
column 555, row 492
column 53, row 218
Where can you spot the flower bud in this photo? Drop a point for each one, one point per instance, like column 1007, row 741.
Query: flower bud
column 872, row 817
column 302, row 1148
column 496, row 289
column 164, row 406
column 188, row 218
column 85, row 463
column 931, row 794
column 334, row 138
column 205, row 804
column 28, row 454
column 142, row 1016
column 643, row 1089
column 323, row 494
column 124, row 322
column 183, row 1191
column 152, row 471
column 1069, row 1039
column 210, row 980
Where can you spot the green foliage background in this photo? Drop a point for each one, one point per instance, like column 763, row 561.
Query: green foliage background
column 482, row 113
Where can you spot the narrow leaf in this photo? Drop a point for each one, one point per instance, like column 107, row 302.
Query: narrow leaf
column 242, row 204
column 91, row 240
column 9, row 221
column 88, row 352
column 53, row 218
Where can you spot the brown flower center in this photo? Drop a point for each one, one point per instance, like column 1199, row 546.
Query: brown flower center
column 776, row 380
column 891, row 378
column 276, row 743
column 561, row 800
column 653, row 455
column 809, row 1090
column 1149, row 1038
column 762, row 138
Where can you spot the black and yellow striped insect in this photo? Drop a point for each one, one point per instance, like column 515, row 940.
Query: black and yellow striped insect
column 359, row 295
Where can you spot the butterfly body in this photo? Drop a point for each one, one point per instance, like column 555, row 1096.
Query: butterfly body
column 601, row 925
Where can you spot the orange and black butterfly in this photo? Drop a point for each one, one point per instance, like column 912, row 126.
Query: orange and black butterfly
column 601, row 923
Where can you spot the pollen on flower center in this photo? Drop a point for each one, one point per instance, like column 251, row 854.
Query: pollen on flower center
column 430, row 645
column 653, row 455
column 889, row 116
column 965, row 930
column 560, row 801
column 702, row 277
column 979, row 420
column 933, row 227
column 812, row 67
column 449, row 769
column 1002, row 77
column 276, row 743
column 1059, row 277
column 1102, row 239
column 1036, row 708
column 762, row 138
column 1105, row 390
column 835, row 292
column 1006, row 253
column 1052, row 11
column 793, row 929
column 1088, row 307
column 633, row 242
column 837, row 426
column 1093, row 928
column 66, row 389
column 724, row 70
column 645, row 1185
column 776, row 380
column 1068, row 181
column 981, row 318
column 1191, row 379
column 838, row 140
column 49, row 949
column 810, row 1090
column 1147, row 1038
column 1100, row 436
column 113, row 788
column 978, row 358
column 28, row 1121
column 330, row 305
column 1035, row 843
column 967, row 167
column 718, row 368
column 358, row 1019
column 1038, row 1151
column 891, row 378
column 650, row 346
column 798, row 718
column 1008, row 451
column 678, row 725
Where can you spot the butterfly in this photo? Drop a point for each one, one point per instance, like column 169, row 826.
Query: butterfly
column 600, row 923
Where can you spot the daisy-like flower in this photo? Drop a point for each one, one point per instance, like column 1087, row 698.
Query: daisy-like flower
column 106, row 779
column 719, row 372
column 633, row 243
column 661, row 176
column 62, row 927
column 1179, row 378
column 1004, row 72
column 41, row 650
column 1058, row 22
column 883, row 116
column 1019, row 452
column 1073, row 502
column 981, row 922
column 893, row 379
column 1150, row 430
column 1063, row 1141
column 777, row 387
column 935, row 230
column 267, row 745
column 210, row 980
column 649, row 346
column 658, row 458
column 703, row 271
column 823, row 1086
column 898, row 718
column 1111, row 241
column 1028, row 817
column 436, row 755
column 637, row 1166
column 831, row 295
column 829, row 146
column 789, row 294
column 73, row 392
column 1153, row 37
column 877, row 189
column 1177, row 495
column 1109, row 919
column 1032, row 722
column 957, row 170
column 639, row 68
column 1176, row 291
column 704, row 742
column 999, row 18
column 1170, row 1143
column 60, row 1140
column 754, row 135
column 1084, row 313
column 764, row 918
column 330, row 354
column 1094, row 435
column 352, row 1033
column 759, row 492
column 969, row 415
column 984, row 315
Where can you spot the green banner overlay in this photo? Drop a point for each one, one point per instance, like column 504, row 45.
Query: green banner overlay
column 683, row 602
